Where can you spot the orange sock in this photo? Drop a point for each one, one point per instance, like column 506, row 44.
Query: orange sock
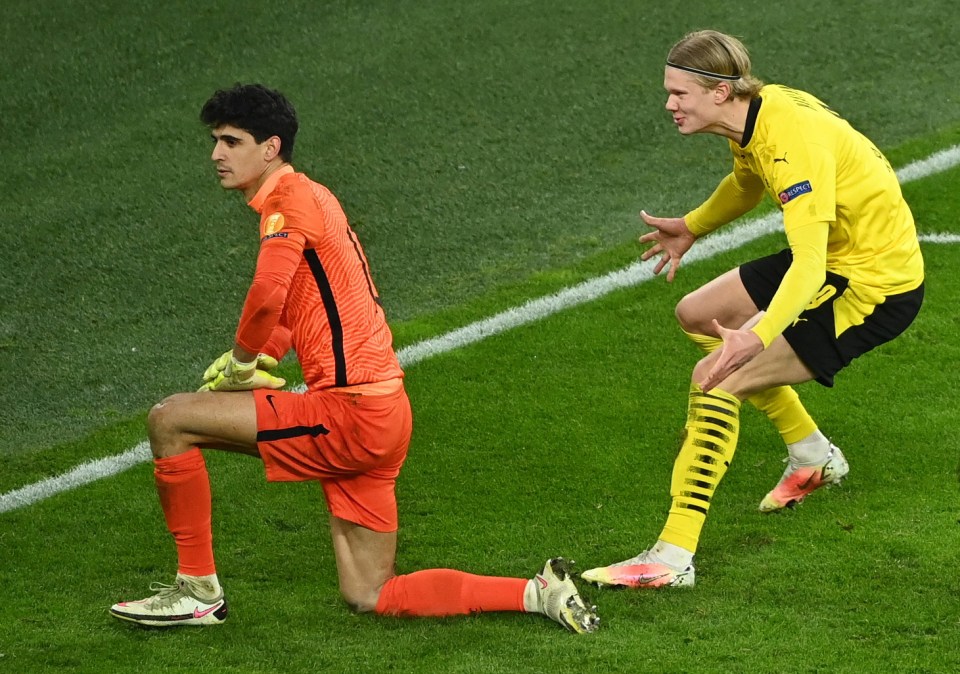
column 183, row 486
column 446, row 592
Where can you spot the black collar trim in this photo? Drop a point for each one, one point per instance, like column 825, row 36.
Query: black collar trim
column 752, row 113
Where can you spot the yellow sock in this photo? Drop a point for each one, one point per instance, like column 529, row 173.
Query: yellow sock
column 781, row 404
column 783, row 407
column 710, row 439
column 706, row 343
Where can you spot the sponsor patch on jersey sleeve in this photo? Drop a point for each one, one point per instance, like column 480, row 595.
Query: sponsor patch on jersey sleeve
column 795, row 191
column 273, row 224
column 282, row 235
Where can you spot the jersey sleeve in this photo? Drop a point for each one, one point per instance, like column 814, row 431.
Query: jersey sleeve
column 800, row 284
column 281, row 339
column 740, row 191
column 285, row 231
column 805, row 183
column 276, row 264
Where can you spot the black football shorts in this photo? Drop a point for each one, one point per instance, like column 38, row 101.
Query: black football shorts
column 813, row 336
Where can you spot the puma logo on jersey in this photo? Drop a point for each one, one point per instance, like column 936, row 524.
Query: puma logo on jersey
column 777, row 160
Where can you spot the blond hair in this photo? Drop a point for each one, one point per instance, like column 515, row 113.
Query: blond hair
column 714, row 57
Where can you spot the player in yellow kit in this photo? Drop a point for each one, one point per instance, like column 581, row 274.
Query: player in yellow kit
column 851, row 279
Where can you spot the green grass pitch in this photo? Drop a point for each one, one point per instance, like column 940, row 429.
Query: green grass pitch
column 487, row 153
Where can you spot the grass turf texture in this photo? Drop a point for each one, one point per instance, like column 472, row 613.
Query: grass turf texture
column 571, row 454
column 472, row 146
column 117, row 237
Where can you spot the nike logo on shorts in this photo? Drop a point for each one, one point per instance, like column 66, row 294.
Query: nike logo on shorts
column 270, row 400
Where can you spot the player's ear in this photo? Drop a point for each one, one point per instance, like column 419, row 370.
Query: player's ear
column 271, row 148
column 722, row 92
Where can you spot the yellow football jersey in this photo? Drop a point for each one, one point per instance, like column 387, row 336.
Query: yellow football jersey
column 843, row 209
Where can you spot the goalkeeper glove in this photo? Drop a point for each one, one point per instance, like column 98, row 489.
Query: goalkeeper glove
column 264, row 362
column 238, row 376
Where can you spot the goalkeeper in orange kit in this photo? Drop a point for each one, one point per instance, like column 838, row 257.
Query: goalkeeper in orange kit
column 312, row 291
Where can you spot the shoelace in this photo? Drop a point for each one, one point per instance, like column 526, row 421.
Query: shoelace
column 827, row 459
column 167, row 595
column 793, row 467
column 642, row 558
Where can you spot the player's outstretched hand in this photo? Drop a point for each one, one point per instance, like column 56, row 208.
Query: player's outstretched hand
column 671, row 240
column 238, row 376
column 739, row 348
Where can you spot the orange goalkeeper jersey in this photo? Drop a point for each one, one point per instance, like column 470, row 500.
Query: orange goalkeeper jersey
column 312, row 287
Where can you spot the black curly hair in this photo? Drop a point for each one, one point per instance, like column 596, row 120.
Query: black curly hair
column 258, row 110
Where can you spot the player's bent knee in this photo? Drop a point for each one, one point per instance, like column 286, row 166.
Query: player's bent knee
column 362, row 596
column 162, row 417
column 160, row 414
column 690, row 317
column 363, row 601
column 156, row 417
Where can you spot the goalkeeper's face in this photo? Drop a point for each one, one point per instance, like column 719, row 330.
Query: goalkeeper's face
column 241, row 161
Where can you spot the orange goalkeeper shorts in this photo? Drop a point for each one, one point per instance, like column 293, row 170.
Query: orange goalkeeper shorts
column 353, row 444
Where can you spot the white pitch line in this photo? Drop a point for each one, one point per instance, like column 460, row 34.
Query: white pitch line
column 938, row 162
column 79, row 476
column 534, row 310
column 940, row 238
column 632, row 275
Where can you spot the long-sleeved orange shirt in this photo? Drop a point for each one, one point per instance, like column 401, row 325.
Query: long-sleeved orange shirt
column 312, row 289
